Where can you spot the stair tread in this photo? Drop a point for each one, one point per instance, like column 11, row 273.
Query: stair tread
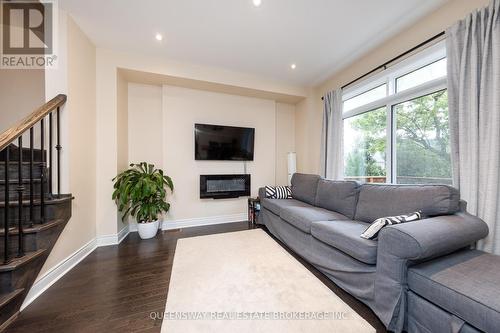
column 36, row 227
column 25, row 181
column 5, row 298
column 24, row 162
column 54, row 200
column 18, row 262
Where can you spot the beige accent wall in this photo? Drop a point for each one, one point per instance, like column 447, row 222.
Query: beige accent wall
column 80, row 147
column 122, row 120
column 285, row 140
column 21, row 92
column 309, row 112
column 157, row 79
column 161, row 131
column 182, row 108
column 308, row 133
column 109, row 121
column 145, row 124
column 107, row 149
column 122, row 159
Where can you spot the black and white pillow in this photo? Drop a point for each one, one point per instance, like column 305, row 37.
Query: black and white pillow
column 278, row 192
column 372, row 231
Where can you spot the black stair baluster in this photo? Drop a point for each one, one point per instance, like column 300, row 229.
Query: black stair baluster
column 42, row 167
column 32, row 196
column 58, row 148
column 20, row 190
column 17, row 277
column 50, row 154
column 6, row 258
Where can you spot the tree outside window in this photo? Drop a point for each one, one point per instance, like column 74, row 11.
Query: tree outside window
column 422, row 152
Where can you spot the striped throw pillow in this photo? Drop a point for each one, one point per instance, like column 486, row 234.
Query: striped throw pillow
column 372, row 231
column 278, row 192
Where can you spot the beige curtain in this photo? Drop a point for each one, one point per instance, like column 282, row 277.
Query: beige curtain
column 473, row 52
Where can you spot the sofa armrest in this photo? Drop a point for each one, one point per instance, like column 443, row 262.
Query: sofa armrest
column 432, row 237
column 262, row 193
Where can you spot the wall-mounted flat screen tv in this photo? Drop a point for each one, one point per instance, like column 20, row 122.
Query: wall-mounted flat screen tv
column 223, row 143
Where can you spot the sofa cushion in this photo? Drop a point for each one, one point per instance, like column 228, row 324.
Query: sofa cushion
column 376, row 201
column 304, row 187
column 302, row 217
column 339, row 196
column 275, row 205
column 344, row 236
column 465, row 284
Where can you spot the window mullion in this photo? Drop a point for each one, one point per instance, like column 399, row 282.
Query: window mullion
column 391, row 86
column 394, row 165
column 389, row 150
column 391, row 132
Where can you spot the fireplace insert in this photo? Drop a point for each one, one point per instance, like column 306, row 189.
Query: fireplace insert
column 224, row 186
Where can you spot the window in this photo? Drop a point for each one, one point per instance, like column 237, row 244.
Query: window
column 427, row 73
column 422, row 140
column 365, row 139
column 366, row 97
column 396, row 127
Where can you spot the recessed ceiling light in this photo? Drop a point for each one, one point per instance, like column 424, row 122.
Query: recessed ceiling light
column 159, row 37
column 257, row 3
column 293, row 66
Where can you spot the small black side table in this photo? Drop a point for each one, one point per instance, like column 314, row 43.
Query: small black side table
column 253, row 210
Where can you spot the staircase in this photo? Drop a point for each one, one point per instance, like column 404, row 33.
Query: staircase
column 33, row 212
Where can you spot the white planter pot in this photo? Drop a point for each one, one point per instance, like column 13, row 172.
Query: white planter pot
column 147, row 230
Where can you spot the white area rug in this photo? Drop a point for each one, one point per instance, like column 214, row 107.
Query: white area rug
column 246, row 282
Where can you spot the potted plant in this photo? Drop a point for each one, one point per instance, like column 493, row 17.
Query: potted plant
column 141, row 192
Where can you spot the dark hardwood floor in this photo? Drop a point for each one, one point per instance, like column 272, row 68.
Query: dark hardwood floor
column 116, row 288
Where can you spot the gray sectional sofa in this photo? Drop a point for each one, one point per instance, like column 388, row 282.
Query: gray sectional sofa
column 324, row 220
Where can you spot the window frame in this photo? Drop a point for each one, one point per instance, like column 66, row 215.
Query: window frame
column 393, row 98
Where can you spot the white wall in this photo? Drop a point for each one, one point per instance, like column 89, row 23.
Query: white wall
column 161, row 131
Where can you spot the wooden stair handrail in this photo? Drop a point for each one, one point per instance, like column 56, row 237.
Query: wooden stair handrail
column 11, row 134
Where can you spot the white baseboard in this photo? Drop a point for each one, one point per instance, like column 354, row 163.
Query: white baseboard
column 114, row 239
column 123, row 233
column 58, row 271
column 196, row 222
column 201, row 221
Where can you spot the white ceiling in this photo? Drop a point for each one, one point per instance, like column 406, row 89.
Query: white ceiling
column 320, row 36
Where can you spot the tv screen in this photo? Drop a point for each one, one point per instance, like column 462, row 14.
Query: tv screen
column 223, row 143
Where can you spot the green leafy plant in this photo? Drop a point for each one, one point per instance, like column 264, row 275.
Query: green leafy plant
column 141, row 192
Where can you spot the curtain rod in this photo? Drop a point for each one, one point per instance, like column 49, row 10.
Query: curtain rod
column 384, row 65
